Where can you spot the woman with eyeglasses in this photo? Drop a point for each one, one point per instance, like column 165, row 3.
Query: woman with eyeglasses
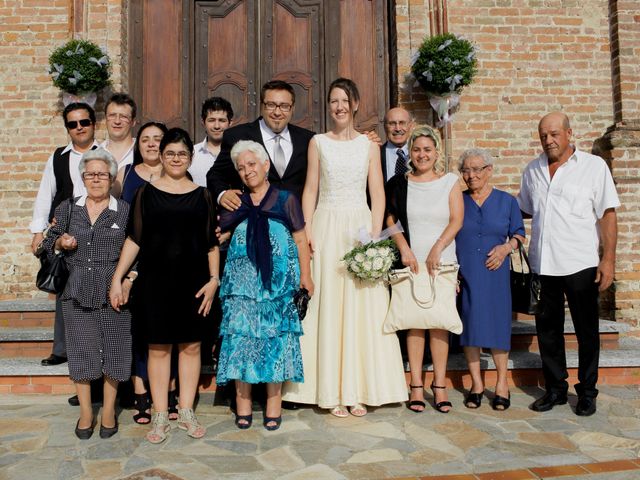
column 492, row 223
column 90, row 229
column 172, row 234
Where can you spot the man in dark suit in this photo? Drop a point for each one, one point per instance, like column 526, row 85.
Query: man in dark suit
column 286, row 145
column 394, row 153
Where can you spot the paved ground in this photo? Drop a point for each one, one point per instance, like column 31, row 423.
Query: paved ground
column 37, row 442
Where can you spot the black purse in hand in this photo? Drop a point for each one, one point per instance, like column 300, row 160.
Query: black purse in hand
column 301, row 300
column 53, row 274
column 525, row 286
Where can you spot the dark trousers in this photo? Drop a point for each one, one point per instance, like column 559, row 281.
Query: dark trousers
column 59, row 343
column 582, row 296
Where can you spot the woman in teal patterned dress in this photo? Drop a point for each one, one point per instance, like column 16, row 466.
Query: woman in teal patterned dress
column 267, row 262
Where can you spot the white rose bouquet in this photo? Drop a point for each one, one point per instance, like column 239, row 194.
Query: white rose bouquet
column 372, row 260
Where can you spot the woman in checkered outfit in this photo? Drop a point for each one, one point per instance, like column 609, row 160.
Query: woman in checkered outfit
column 91, row 231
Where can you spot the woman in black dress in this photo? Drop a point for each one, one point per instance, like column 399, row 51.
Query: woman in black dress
column 172, row 233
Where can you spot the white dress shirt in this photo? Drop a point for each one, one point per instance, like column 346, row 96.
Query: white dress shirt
column 268, row 138
column 565, row 210
column 48, row 188
column 391, row 156
column 203, row 160
column 126, row 159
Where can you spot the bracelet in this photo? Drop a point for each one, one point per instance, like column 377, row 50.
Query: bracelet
column 214, row 277
column 129, row 278
column 508, row 244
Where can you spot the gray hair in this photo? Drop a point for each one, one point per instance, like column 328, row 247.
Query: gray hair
column 475, row 152
column 102, row 155
column 248, row 146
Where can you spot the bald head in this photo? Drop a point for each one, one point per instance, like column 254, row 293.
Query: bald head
column 398, row 124
column 555, row 136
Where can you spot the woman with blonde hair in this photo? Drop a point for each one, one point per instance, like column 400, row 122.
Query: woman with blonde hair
column 428, row 204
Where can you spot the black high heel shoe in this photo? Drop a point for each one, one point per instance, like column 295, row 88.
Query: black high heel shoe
column 246, row 418
column 500, row 403
column 173, row 404
column 142, row 404
column 417, row 403
column 473, row 400
column 440, row 405
column 276, row 420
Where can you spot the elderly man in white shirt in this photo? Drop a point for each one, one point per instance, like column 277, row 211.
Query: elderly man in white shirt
column 571, row 198
column 61, row 180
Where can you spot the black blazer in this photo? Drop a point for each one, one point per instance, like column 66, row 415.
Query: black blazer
column 396, row 195
column 383, row 161
column 223, row 176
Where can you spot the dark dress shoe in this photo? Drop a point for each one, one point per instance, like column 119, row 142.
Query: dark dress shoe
column 290, row 406
column 107, row 432
column 84, row 433
column 53, row 360
column 73, row 401
column 548, row 401
column 586, row 406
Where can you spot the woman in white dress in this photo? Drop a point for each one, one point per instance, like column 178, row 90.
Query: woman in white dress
column 349, row 362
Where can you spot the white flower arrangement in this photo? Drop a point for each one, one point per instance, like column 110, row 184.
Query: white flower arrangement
column 371, row 261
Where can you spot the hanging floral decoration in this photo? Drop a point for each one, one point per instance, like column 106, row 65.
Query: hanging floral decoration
column 443, row 66
column 79, row 67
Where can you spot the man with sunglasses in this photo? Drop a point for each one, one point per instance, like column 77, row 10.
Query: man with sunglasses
column 286, row 145
column 61, row 180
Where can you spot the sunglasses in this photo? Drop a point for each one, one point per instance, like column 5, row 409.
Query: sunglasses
column 73, row 124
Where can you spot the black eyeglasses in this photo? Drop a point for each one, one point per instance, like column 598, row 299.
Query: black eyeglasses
column 73, row 124
column 271, row 106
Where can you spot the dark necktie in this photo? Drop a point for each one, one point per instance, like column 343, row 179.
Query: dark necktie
column 401, row 163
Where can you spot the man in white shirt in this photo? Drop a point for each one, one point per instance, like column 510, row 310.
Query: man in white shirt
column 216, row 116
column 571, row 198
column 120, row 114
column 61, row 180
column 394, row 153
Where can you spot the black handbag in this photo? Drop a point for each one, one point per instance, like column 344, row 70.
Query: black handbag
column 54, row 273
column 301, row 300
column 525, row 286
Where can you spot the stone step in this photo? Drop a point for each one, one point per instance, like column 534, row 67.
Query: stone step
column 523, row 335
column 617, row 367
column 27, row 313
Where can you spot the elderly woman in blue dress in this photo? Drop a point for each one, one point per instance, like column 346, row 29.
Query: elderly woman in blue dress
column 91, row 231
column 267, row 262
column 492, row 223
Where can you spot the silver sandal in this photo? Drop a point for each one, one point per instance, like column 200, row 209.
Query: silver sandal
column 187, row 421
column 159, row 427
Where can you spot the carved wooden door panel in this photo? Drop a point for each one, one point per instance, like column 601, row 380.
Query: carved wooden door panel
column 184, row 51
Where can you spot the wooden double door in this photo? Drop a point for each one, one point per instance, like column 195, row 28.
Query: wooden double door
column 183, row 51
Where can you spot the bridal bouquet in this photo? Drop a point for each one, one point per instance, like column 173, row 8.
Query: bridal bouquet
column 371, row 261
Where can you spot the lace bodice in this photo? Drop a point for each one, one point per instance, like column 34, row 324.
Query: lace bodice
column 344, row 166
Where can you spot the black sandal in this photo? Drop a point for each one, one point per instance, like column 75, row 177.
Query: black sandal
column 473, row 400
column 500, row 403
column 416, row 403
column 268, row 420
column 142, row 403
column 173, row 404
column 246, row 418
column 440, row 405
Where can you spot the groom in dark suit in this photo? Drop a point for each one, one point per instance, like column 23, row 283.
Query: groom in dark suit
column 394, row 153
column 286, row 145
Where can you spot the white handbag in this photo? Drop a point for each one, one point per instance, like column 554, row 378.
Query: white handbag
column 422, row 301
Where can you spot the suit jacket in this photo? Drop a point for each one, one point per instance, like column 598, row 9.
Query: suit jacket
column 383, row 161
column 223, row 175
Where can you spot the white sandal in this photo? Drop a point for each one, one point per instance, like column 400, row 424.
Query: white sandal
column 339, row 411
column 360, row 408
column 159, row 427
column 187, row 421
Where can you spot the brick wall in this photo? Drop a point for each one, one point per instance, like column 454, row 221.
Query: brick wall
column 536, row 56
column 30, row 122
